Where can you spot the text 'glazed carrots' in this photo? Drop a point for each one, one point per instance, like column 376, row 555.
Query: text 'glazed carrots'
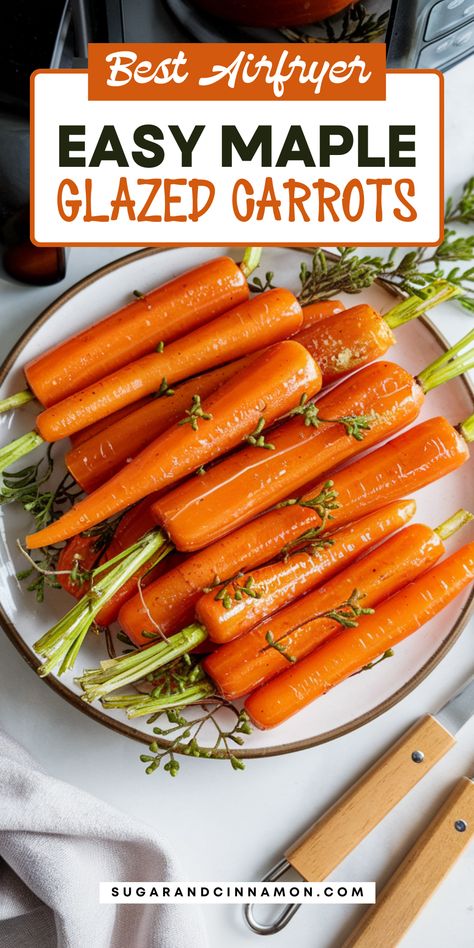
column 272, row 384
column 350, row 650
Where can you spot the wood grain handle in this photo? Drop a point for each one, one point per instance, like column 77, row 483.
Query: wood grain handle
column 369, row 800
column 420, row 873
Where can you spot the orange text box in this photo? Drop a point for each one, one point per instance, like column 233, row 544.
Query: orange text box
column 231, row 71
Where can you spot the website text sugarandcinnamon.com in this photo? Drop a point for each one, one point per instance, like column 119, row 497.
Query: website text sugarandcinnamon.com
column 213, row 893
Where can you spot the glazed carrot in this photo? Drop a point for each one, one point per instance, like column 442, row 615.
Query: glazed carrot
column 240, row 666
column 408, row 462
column 248, row 662
column 79, row 437
column 98, row 458
column 133, row 525
column 245, row 329
column 174, row 309
column 347, row 341
column 352, row 649
column 197, row 512
column 83, row 553
column 75, row 560
column 360, row 335
column 314, row 313
column 273, row 384
column 230, row 610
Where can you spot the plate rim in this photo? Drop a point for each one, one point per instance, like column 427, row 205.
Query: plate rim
column 125, row 729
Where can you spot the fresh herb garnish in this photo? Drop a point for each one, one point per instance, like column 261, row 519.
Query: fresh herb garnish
column 355, row 425
column 195, row 413
column 256, row 439
column 346, row 615
column 164, row 389
column 409, row 272
column 238, row 592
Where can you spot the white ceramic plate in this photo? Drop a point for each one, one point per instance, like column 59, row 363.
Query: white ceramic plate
column 362, row 697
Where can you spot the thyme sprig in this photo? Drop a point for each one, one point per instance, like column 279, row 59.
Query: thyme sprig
column 257, row 439
column 141, row 296
column 346, row 615
column 462, row 210
column 185, row 685
column 389, row 653
column 43, row 506
column 410, row 272
column 238, row 592
column 322, row 504
column 195, row 413
column 355, row 425
column 23, row 487
column 258, row 286
column 164, row 389
column 309, row 542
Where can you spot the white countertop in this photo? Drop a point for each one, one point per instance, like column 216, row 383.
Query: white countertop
column 234, row 826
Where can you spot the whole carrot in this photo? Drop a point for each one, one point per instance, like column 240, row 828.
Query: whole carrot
column 241, row 666
column 85, row 552
column 384, row 395
column 175, row 308
column 245, row 329
column 348, row 340
column 314, row 313
column 79, row 437
column 241, row 331
column 408, row 462
column 288, row 636
column 271, row 386
column 352, row 649
column 97, row 459
column 229, row 610
column 359, row 335
column 338, row 348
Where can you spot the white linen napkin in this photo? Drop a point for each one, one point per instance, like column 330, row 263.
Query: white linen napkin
column 56, row 844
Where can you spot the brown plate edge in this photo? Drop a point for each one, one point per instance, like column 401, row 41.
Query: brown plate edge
column 125, row 729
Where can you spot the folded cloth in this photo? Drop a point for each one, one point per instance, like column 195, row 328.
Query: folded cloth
column 56, row 844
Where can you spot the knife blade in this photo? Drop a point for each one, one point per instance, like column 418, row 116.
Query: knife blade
column 351, row 818
column 458, row 710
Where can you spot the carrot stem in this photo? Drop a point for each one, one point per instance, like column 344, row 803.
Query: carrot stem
column 250, row 260
column 453, row 524
column 16, row 401
column 437, row 292
column 466, row 429
column 61, row 644
column 448, row 365
column 117, row 672
column 17, row 449
column 194, row 695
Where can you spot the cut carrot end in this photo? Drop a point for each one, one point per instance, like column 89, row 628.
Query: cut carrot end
column 437, row 292
column 454, row 523
column 143, row 704
column 250, row 260
column 17, row 449
column 61, row 644
column 466, row 429
column 449, row 365
column 16, row 401
column 126, row 669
